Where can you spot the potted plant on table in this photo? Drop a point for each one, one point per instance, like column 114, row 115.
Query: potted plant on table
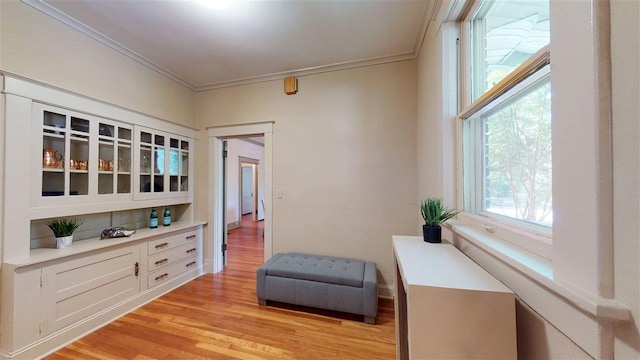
column 63, row 231
column 434, row 213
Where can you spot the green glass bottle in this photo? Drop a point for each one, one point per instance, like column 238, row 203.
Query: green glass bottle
column 166, row 218
column 153, row 219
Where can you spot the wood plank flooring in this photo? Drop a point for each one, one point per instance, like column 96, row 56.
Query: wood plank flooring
column 217, row 317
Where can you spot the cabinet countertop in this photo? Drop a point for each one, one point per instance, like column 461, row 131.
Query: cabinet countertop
column 83, row 246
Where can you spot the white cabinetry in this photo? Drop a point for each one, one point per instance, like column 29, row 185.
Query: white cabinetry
column 58, row 296
column 69, row 155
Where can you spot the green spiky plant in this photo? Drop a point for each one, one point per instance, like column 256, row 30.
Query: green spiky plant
column 64, row 227
column 434, row 212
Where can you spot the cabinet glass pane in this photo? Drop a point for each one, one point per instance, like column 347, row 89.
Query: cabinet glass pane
column 184, row 183
column 174, row 162
column 184, row 164
column 173, row 183
column 106, row 130
column 78, row 183
column 52, row 151
column 145, row 183
column 158, row 161
column 184, row 145
column 124, row 134
column 105, row 184
column 52, row 183
column 80, row 125
column 159, row 140
column 55, row 120
column 145, row 169
column 124, row 159
column 145, row 137
column 158, row 183
column 124, row 183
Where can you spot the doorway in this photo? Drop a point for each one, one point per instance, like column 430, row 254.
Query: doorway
column 214, row 244
column 251, row 190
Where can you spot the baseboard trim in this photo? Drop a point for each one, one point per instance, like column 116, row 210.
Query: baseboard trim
column 386, row 291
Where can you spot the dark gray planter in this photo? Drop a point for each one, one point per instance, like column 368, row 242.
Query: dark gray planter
column 432, row 234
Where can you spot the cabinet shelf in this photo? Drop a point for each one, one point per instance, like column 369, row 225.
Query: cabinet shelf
column 55, row 135
column 78, row 171
column 58, row 170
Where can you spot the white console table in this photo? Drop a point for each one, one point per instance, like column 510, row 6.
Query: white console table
column 448, row 307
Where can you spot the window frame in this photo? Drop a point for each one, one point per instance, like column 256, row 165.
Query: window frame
column 525, row 237
column 474, row 180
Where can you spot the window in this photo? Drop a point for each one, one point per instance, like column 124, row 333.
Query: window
column 506, row 130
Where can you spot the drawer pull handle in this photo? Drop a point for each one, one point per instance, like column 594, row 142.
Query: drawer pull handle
column 191, row 264
column 161, row 245
column 162, row 276
column 191, row 237
column 162, row 261
column 191, row 250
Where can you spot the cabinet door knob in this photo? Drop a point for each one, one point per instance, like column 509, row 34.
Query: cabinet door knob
column 191, row 264
column 161, row 245
column 191, row 250
column 191, row 237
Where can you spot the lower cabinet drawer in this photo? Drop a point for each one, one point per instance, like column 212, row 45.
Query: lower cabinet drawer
column 168, row 257
column 172, row 241
column 172, row 270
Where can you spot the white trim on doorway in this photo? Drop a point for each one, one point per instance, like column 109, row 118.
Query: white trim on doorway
column 213, row 242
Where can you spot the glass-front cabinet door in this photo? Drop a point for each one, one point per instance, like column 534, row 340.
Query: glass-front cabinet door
column 63, row 170
column 114, row 158
column 83, row 158
column 163, row 164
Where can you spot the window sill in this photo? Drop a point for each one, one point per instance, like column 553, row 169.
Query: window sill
column 539, row 270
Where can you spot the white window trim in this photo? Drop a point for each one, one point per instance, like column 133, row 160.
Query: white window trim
column 570, row 288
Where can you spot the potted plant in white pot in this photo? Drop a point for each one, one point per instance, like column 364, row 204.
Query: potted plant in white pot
column 434, row 213
column 63, row 231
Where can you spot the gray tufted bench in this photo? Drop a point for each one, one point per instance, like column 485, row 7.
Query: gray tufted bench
column 325, row 282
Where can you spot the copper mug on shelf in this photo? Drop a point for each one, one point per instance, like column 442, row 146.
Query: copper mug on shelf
column 82, row 165
column 73, row 164
column 51, row 158
column 102, row 165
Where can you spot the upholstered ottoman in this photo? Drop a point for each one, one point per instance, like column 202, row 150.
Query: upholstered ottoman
column 324, row 282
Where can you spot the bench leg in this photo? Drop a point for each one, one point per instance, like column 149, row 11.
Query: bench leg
column 370, row 320
column 262, row 302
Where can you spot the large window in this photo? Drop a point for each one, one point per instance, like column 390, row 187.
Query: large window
column 507, row 128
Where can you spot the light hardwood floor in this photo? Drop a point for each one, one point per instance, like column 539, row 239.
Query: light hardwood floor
column 217, row 317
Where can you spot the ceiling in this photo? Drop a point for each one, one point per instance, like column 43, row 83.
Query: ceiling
column 251, row 40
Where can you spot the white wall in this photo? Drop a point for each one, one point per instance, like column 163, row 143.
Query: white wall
column 344, row 156
column 36, row 46
column 235, row 149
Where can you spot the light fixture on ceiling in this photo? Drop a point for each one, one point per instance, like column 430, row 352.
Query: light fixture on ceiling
column 216, row 4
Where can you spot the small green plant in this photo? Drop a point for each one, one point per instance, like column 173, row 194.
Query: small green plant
column 435, row 213
column 64, row 227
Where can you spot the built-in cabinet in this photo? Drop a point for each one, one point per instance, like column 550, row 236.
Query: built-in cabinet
column 71, row 291
column 67, row 155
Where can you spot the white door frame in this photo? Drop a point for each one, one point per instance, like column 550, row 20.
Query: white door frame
column 213, row 242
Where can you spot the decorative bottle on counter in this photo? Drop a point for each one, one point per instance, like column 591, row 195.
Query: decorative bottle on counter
column 166, row 219
column 153, row 219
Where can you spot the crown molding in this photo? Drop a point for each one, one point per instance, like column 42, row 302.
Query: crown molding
column 428, row 16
